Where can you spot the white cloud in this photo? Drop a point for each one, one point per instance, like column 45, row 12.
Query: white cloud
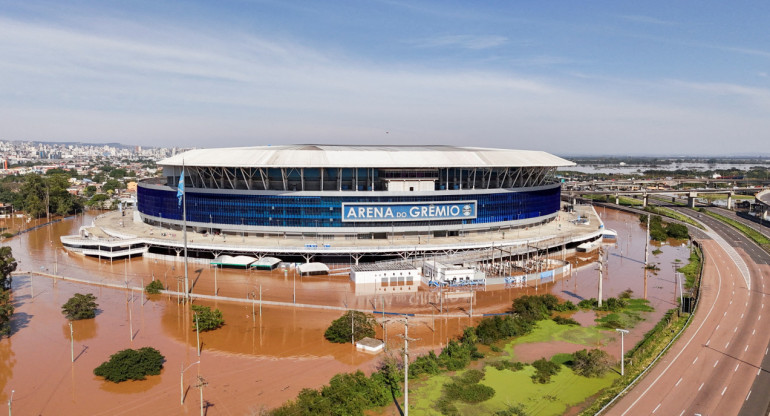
column 183, row 87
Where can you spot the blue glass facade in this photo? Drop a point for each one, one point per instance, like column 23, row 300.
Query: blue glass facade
column 325, row 211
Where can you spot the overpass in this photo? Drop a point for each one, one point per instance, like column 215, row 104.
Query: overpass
column 763, row 200
column 691, row 194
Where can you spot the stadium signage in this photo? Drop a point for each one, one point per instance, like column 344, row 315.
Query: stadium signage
column 410, row 211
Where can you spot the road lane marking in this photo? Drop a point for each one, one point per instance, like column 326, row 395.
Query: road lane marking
column 716, row 362
column 677, row 383
column 748, row 395
column 701, row 386
column 747, row 348
column 760, row 317
column 753, row 332
column 728, row 343
column 656, row 408
column 741, row 316
column 680, row 414
column 736, row 365
column 724, row 390
column 717, row 328
column 696, row 359
column 724, row 314
column 735, row 329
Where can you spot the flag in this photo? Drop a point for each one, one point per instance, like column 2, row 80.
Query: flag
column 180, row 188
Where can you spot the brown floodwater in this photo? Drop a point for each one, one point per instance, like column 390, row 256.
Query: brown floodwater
column 254, row 360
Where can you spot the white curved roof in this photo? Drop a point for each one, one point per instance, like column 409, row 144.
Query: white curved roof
column 322, row 156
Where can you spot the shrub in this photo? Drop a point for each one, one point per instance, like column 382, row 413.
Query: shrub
column 80, row 306
column 495, row 348
column 339, row 331
column 466, row 388
column 6, row 311
column 207, row 319
column 424, row 364
column 154, row 287
column 544, row 370
column 131, row 365
column 593, row 363
column 565, row 321
column 346, row 394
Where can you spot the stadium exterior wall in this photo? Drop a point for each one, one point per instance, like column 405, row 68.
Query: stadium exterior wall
column 322, row 212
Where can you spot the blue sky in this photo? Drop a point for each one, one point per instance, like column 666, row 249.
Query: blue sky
column 571, row 78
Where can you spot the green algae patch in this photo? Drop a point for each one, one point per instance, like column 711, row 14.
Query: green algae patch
column 549, row 331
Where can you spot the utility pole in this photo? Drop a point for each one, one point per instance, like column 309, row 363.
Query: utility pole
column 352, row 329
column 201, row 384
column 647, row 243
column 601, row 269
column 406, row 364
column 72, row 344
column 622, row 350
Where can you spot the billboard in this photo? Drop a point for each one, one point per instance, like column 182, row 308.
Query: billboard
column 408, row 211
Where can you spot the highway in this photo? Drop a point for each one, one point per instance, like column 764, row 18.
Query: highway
column 711, row 369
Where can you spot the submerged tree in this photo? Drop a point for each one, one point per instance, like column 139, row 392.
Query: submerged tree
column 359, row 324
column 80, row 306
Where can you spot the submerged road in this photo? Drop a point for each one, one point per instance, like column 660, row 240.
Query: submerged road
column 711, row 368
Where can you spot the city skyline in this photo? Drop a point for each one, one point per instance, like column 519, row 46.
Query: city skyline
column 572, row 79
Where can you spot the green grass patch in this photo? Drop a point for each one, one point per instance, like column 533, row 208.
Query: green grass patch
column 548, row 330
column 565, row 390
column 692, row 269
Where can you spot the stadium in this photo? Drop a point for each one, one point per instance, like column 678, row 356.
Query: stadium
column 342, row 204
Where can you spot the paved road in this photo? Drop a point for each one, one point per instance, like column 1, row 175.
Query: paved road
column 710, row 369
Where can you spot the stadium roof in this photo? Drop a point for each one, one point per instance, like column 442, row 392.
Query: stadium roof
column 339, row 156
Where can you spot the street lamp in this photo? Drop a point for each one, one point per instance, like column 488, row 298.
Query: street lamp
column 181, row 382
column 9, row 402
column 622, row 358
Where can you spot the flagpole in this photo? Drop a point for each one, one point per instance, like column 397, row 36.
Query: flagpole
column 184, row 234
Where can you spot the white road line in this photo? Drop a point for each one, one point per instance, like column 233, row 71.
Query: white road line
column 766, row 350
column 728, row 343
column 701, row 386
column 747, row 348
column 716, row 362
column 759, row 370
column 736, row 367
column 677, row 383
column 753, row 332
column 717, row 328
column 724, row 314
column 724, row 390
column 741, row 316
column 696, row 359
column 748, row 395
column 680, row 414
column 656, row 408
column 759, row 317
column 731, row 302
column 735, row 329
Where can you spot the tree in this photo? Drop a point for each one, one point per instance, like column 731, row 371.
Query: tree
column 6, row 311
column 207, row 319
column 131, row 364
column 154, row 287
column 7, row 266
column 80, row 306
column 593, row 363
column 340, row 329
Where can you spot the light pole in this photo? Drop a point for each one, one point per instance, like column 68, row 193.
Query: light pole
column 181, row 382
column 622, row 349
column 10, row 401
